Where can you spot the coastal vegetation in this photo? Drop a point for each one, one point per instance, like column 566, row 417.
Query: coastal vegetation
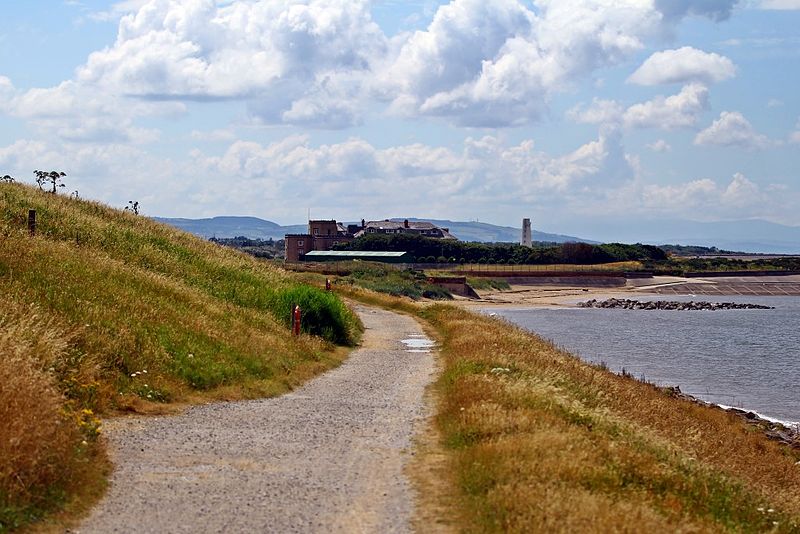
column 540, row 441
column 386, row 279
column 428, row 250
column 536, row 440
column 105, row 311
column 680, row 266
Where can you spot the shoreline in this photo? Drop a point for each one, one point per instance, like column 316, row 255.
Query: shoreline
column 522, row 297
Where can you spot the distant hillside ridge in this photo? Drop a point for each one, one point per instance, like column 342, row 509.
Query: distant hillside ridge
column 255, row 228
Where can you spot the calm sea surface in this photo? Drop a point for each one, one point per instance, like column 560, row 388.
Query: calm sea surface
column 744, row 358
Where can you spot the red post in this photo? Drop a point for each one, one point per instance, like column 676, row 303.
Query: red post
column 296, row 315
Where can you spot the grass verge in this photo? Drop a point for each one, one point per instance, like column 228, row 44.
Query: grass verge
column 538, row 441
column 105, row 311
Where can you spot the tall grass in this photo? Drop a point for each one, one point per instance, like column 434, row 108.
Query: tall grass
column 539, row 441
column 46, row 441
column 128, row 314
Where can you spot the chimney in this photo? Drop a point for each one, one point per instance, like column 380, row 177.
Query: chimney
column 405, row 223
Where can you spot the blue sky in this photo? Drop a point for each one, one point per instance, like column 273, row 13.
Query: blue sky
column 572, row 112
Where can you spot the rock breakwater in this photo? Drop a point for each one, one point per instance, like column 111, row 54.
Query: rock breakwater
column 786, row 434
column 628, row 304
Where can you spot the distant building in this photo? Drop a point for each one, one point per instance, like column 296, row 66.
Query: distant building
column 526, row 240
column 424, row 229
column 322, row 235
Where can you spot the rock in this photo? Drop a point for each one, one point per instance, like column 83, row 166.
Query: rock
column 628, row 304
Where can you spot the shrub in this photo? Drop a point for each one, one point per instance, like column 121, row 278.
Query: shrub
column 323, row 313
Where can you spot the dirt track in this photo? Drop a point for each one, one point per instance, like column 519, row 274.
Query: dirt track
column 328, row 457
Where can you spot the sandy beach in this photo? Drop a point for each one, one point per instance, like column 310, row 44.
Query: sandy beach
column 658, row 287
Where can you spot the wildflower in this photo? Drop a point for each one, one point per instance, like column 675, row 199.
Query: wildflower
column 760, row 508
column 770, row 511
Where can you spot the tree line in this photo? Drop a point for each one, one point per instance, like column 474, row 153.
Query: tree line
column 428, row 250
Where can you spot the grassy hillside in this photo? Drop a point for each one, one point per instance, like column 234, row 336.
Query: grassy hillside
column 105, row 310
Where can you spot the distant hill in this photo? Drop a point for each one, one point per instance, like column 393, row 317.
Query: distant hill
column 255, row 228
column 228, row 226
column 746, row 236
column 491, row 233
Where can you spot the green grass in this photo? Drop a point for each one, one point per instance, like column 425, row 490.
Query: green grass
column 139, row 315
column 488, row 284
column 394, row 282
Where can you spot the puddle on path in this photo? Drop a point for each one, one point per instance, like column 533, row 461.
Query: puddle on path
column 417, row 343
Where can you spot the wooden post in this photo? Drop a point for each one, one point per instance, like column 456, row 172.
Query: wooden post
column 32, row 222
column 296, row 321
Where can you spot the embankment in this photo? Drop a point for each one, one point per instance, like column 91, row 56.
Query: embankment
column 104, row 311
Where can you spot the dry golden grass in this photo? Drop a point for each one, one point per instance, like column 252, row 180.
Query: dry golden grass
column 46, row 443
column 541, row 441
column 538, row 441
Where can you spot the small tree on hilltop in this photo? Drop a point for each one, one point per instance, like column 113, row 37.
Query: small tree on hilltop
column 54, row 178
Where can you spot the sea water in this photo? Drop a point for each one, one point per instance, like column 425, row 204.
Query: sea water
column 748, row 359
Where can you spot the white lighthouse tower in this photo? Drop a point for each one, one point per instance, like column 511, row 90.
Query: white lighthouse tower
column 526, row 240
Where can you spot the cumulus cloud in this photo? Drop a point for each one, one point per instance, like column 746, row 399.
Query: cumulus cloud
column 356, row 173
column 794, row 137
column 714, row 9
column 681, row 110
column 322, row 63
column 74, row 112
column 299, row 59
column 784, row 5
column 599, row 112
column 497, row 62
column 732, row 129
column 660, row 146
column 683, row 65
column 738, row 198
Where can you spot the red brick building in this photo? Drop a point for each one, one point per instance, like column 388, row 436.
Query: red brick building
column 322, row 235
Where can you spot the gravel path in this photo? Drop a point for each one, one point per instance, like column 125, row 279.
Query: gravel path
column 328, row 457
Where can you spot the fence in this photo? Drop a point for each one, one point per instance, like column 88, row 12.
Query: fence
column 474, row 269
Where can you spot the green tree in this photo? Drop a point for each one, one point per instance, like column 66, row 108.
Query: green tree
column 53, row 178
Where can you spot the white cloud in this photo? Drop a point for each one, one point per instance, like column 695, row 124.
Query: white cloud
column 117, row 10
column 303, row 61
column 734, row 130
column 74, row 112
column 322, row 63
column 794, row 137
column 599, row 112
column 741, row 193
column 496, row 62
column 779, row 4
column 681, row 110
column 775, row 103
column 660, row 146
column 221, row 134
column 714, row 9
column 683, row 65
column 705, row 198
column 485, row 172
